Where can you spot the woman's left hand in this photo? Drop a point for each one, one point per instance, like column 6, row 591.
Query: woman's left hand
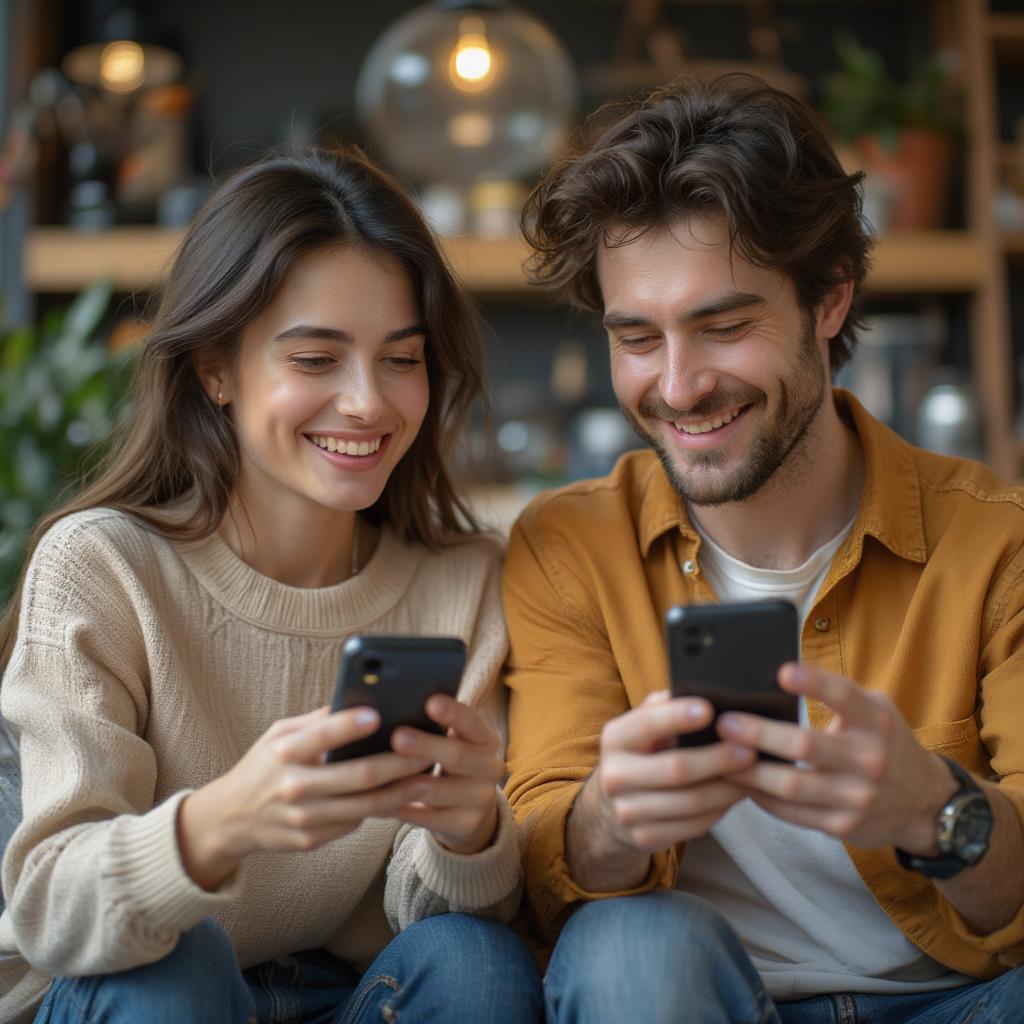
column 460, row 806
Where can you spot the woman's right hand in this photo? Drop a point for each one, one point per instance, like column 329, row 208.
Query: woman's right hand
column 282, row 796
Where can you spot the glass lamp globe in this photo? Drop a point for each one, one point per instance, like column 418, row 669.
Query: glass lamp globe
column 458, row 92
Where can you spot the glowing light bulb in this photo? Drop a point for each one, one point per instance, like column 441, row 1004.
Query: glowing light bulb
column 472, row 64
column 472, row 59
column 122, row 66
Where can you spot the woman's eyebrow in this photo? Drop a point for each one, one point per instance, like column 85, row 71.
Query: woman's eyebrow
column 334, row 334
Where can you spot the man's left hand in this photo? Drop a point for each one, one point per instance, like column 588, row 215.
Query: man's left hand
column 864, row 779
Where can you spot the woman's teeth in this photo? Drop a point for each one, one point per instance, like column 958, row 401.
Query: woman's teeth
column 336, row 444
column 706, row 425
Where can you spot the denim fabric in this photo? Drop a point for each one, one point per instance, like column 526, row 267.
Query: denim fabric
column 670, row 958
column 10, row 792
column 661, row 958
column 451, row 968
column 1000, row 1001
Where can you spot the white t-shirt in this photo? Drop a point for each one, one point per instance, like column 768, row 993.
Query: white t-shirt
column 806, row 919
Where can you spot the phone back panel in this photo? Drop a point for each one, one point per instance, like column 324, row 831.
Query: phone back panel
column 730, row 654
column 395, row 675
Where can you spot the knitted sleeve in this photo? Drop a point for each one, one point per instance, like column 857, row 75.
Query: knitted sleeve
column 93, row 877
column 424, row 878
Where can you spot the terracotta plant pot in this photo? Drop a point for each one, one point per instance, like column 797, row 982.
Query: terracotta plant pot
column 917, row 173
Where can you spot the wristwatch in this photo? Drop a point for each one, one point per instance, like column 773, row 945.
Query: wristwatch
column 962, row 830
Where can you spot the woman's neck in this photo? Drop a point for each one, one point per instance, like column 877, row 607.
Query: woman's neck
column 297, row 542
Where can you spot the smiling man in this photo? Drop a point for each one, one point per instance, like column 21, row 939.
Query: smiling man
column 873, row 869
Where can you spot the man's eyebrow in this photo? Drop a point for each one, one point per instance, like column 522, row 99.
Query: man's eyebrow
column 726, row 304
column 316, row 331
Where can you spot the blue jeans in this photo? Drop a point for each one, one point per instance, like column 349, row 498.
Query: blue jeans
column 450, row 968
column 670, row 958
column 10, row 792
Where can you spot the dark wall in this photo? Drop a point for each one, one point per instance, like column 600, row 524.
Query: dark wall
column 270, row 73
column 268, row 69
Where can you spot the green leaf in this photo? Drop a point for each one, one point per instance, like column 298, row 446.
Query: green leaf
column 17, row 348
column 60, row 393
column 862, row 98
column 85, row 312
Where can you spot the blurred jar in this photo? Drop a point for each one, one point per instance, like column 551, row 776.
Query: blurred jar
column 949, row 419
column 599, row 437
column 893, row 366
column 495, row 206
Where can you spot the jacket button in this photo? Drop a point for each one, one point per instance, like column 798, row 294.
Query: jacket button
column 822, row 625
column 689, row 567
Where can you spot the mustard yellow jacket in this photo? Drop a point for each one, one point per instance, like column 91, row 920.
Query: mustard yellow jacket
column 924, row 601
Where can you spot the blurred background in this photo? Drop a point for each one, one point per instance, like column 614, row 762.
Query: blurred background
column 116, row 119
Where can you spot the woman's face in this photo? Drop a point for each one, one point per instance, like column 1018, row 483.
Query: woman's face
column 329, row 387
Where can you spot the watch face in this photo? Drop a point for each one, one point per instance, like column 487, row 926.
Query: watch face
column 972, row 823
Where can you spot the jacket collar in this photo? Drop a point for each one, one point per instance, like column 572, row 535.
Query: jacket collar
column 890, row 507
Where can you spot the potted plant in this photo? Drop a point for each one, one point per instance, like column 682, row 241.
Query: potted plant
column 60, row 392
column 903, row 134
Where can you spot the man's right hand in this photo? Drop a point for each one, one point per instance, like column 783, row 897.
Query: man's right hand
column 646, row 794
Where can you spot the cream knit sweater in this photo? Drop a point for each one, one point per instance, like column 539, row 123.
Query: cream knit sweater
column 146, row 667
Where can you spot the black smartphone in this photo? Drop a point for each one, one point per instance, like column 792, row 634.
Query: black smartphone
column 730, row 654
column 395, row 675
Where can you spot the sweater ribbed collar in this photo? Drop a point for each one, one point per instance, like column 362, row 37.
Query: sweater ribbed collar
column 316, row 611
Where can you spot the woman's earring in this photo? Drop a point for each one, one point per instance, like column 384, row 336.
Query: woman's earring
column 220, row 397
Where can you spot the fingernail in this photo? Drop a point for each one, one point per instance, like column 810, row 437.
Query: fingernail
column 729, row 725
column 366, row 716
column 741, row 755
column 695, row 710
column 404, row 740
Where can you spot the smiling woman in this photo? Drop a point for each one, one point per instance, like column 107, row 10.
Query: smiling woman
column 328, row 389
column 281, row 485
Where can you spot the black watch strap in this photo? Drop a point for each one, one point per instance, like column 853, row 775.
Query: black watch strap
column 932, row 867
column 951, row 862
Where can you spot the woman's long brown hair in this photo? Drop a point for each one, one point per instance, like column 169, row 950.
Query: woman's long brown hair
column 176, row 444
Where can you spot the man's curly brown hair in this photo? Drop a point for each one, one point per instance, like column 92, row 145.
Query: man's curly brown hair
column 733, row 147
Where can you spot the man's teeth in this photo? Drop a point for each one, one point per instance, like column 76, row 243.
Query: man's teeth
column 712, row 424
column 336, row 444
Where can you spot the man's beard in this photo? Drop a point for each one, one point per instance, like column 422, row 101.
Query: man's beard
column 801, row 393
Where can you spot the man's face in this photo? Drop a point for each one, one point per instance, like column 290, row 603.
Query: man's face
column 713, row 361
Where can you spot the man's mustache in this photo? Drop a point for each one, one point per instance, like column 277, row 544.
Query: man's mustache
column 709, row 406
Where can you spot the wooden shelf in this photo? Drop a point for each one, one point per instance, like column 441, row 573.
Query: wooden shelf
column 1010, row 156
column 59, row 259
column 926, row 262
column 1007, row 34
column 1013, row 243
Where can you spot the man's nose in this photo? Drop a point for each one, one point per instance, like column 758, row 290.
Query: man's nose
column 685, row 377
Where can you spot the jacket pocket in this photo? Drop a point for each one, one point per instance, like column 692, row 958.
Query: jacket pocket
column 959, row 741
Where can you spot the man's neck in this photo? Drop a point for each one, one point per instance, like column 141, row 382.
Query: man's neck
column 804, row 505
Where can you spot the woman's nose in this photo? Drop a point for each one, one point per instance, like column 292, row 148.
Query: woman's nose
column 360, row 395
